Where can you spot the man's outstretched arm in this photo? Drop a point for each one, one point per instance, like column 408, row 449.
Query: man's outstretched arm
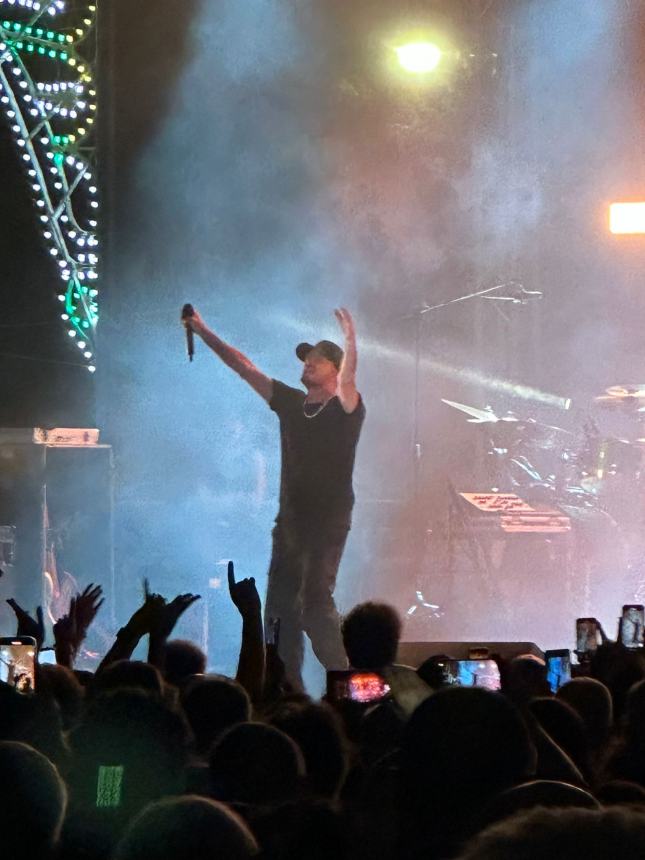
column 347, row 391
column 232, row 357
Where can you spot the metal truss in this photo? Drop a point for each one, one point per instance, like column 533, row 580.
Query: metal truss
column 48, row 57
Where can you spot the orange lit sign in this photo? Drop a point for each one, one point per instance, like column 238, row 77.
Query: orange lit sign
column 627, row 218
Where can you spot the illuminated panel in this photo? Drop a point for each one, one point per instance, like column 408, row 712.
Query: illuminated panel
column 627, row 218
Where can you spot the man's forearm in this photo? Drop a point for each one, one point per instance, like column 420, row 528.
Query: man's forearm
column 347, row 373
column 232, row 357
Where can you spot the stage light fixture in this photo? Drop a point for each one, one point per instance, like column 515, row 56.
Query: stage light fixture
column 627, row 218
column 418, row 58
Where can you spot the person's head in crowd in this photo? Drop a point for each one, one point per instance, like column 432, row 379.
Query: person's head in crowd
column 626, row 757
column 124, row 674
column 371, row 633
column 467, row 735
column 61, row 684
column 565, row 834
column 530, row 795
column 183, row 660
column 294, row 831
column 566, row 728
column 187, row 828
column 592, row 700
column 140, row 733
column 15, row 712
column 621, row 792
column 34, row 720
column 379, row 732
column 84, row 677
column 33, row 803
column 318, row 732
column 524, row 678
column 432, row 671
column 635, row 715
column 212, row 704
column 253, row 763
column 619, row 669
column 462, row 746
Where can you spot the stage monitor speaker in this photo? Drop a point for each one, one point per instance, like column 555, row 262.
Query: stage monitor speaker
column 415, row 653
column 56, row 528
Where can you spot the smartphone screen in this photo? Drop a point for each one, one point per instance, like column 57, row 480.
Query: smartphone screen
column 586, row 635
column 109, row 786
column 18, row 663
column 631, row 625
column 558, row 668
column 473, row 673
column 363, row 687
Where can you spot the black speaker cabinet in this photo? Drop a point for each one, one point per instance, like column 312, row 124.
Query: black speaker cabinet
column 415, row 653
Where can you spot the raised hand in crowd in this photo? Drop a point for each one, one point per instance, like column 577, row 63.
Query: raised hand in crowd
column 70, row 630
column 250, row 667
column 139, row 624
column 244, row 593
column 27, row 625
column 164, row 616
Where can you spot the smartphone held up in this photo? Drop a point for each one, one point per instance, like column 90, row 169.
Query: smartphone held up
column 18, row 663
column 363, row 687
column 630, row 626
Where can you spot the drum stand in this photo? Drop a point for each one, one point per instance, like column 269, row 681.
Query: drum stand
column 421, row 607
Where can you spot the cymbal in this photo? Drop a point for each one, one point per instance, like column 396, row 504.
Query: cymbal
column 542, row 435
column 622, row 395
column 480, row 416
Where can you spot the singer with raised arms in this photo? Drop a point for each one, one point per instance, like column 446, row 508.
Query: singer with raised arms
column 319, row 432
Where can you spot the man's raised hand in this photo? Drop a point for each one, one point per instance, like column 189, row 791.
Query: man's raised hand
column 347, row 392
column 194, row 322
column 346, row 322
column 244, row 593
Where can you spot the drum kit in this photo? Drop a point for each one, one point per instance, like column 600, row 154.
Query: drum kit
column 543, row 461
column 592, row 476
column 596, row 479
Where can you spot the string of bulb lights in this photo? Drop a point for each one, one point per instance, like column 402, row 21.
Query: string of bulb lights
column 48, row 95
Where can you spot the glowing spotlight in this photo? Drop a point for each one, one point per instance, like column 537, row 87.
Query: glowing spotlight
column 418, row 57
column 627, row 217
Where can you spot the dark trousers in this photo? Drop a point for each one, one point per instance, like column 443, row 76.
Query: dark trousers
column 300, row 592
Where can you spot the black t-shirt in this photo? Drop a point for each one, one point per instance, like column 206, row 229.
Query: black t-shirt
column 317, row 457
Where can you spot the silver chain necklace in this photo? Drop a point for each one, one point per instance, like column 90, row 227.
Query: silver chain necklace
column 317, row 412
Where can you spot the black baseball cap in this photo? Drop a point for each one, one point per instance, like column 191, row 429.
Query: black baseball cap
column 326, row 348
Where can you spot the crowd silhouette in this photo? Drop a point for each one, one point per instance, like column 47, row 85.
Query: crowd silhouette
column 159, row 759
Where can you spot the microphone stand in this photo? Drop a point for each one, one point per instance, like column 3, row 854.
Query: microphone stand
column 421, row 606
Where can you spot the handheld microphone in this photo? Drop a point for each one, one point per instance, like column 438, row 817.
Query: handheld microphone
column 186, row 312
